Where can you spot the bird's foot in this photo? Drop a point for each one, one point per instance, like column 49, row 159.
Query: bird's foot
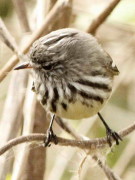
column 112, row 135
column 50, row 137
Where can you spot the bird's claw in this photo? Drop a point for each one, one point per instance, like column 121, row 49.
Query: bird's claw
column 112, row 135
column 49, row 138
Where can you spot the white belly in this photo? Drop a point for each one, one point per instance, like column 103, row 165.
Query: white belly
column 78, row 110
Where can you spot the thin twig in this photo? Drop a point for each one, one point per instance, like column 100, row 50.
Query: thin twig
column 102, row 17
column 109, row 173
column 50, row 19
column 83, row 144
column 7, row 38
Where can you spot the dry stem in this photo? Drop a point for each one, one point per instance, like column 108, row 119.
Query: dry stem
column 102, row 17
column 7, row 38
column 109, row 173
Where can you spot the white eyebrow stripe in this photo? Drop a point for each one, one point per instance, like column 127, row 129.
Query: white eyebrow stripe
column 55, row 38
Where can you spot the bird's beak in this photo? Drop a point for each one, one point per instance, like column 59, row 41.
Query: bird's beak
column 23, row 66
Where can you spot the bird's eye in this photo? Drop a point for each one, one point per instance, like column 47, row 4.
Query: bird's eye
column 47, row 67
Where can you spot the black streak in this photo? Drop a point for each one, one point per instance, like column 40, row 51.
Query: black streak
column 90, row 96
column 94, row 85
column 73, row 92
column 64, row 106
column 55, row 99
column 72, row 88
column 84, row 94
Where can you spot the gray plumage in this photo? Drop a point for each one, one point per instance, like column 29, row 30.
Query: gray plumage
column 70, row 66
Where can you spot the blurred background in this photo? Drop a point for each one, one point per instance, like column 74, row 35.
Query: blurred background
column 21, row 114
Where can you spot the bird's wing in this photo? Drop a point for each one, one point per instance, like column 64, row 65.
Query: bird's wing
column 110, row 65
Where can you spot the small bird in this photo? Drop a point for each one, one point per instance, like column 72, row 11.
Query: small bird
column 73, row 76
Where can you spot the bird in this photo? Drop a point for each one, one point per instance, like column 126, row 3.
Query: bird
column 72, row 76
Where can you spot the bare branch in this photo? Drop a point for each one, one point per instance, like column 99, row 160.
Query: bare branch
column 7, row 38
column 102, row 17
column 50, row 19
column 83, row 144
column 109, row 173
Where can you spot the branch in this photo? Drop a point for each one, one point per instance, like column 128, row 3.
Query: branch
column 7, row 38
column 102, row 17
column 83, row 144
column 109, row 173
column 50, row 19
